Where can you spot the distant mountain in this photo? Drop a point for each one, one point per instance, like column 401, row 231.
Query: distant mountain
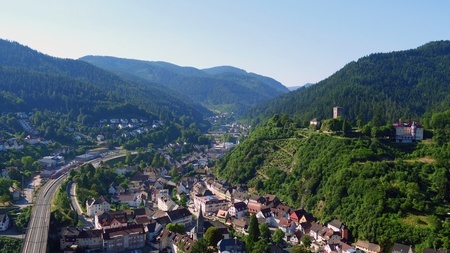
column 292, row 88
column 222, row 88
column 34, row 80
column 405, row 84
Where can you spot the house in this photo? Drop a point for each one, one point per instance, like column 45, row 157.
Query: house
column 124, row 238
column 315, row 122
column 153, row 230
column 15, row 194
column 4, row 222
column 90, row 239
column 163, row 240
column 223, row 229
column 408, row 131
column 314, row 230
column 210, row 203
column 254, row 207
column 69, row 237
column 266, row 215
column 111, row 219
column 435, row 251
column 286, row 226
column 345, row 248
column 256, row 199
column 301, row 216
column 183, row 241
column 338, row 226
column 114, row 189
column 240, row 225
column 97, row 206
column 368, row 247
column 231, row 246
column 165, row 203
column 240, row 197
column 237, row 209
column 181, row 216
column 401, row 248
column 131, row 200
column 222, row 215
column 271, row 200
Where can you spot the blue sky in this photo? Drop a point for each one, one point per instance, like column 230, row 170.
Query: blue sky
column 295, row 42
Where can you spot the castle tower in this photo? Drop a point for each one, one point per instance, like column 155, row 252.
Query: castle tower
column 337, row 112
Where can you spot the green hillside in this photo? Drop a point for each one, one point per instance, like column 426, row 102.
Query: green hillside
column 224, row 89
column 405, row 84
column 33, row 80
column 385, row 192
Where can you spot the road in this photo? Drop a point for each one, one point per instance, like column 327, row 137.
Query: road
column 72, row 187
column 37, row 231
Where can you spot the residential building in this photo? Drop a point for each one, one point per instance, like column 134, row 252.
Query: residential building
column 124, row 238
column 401, row 248
column 210, row 204
column 97, row 206
column 237, row 209
column 231, row 246
column 408, row 131
column 368, row 247
column 111, row 219
column 181, row 216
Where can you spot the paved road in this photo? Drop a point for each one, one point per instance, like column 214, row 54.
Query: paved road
column 37, row 231
column 72, row 194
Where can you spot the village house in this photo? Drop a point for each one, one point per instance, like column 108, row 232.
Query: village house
column 231, row 246
column 401, row 248
column 367, row 246
column 240, row 225
column 72, row 237
column 97, row 206
column 111, row 219
column 210, row 204
column 237, row 209
column 183, row 241
column 408, row 131
column 181, row 216
column 165, row 203
column 124, row 238
column 115, row 190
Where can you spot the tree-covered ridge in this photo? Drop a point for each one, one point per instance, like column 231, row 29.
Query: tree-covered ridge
column 404, row 84
column 222, row 88
column 385, row 192
column 61, row 77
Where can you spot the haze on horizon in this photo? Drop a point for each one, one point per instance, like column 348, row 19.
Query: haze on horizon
column 294, row 42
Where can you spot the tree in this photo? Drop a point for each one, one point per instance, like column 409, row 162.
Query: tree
column 278, row 236
column 299, row 249
column 176, row 227
column 213, row 236
column 264, row 231
column 200, row 246
column 260, row 246
column 253, row 232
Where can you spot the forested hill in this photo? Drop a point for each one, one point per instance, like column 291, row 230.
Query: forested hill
column 226, row 89
column 34, row 80
column 405, row 84
column 385, row 192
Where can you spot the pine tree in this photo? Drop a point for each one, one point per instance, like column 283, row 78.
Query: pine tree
column 253, row 233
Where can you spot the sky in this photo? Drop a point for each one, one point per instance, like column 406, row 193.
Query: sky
column 295, row 42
